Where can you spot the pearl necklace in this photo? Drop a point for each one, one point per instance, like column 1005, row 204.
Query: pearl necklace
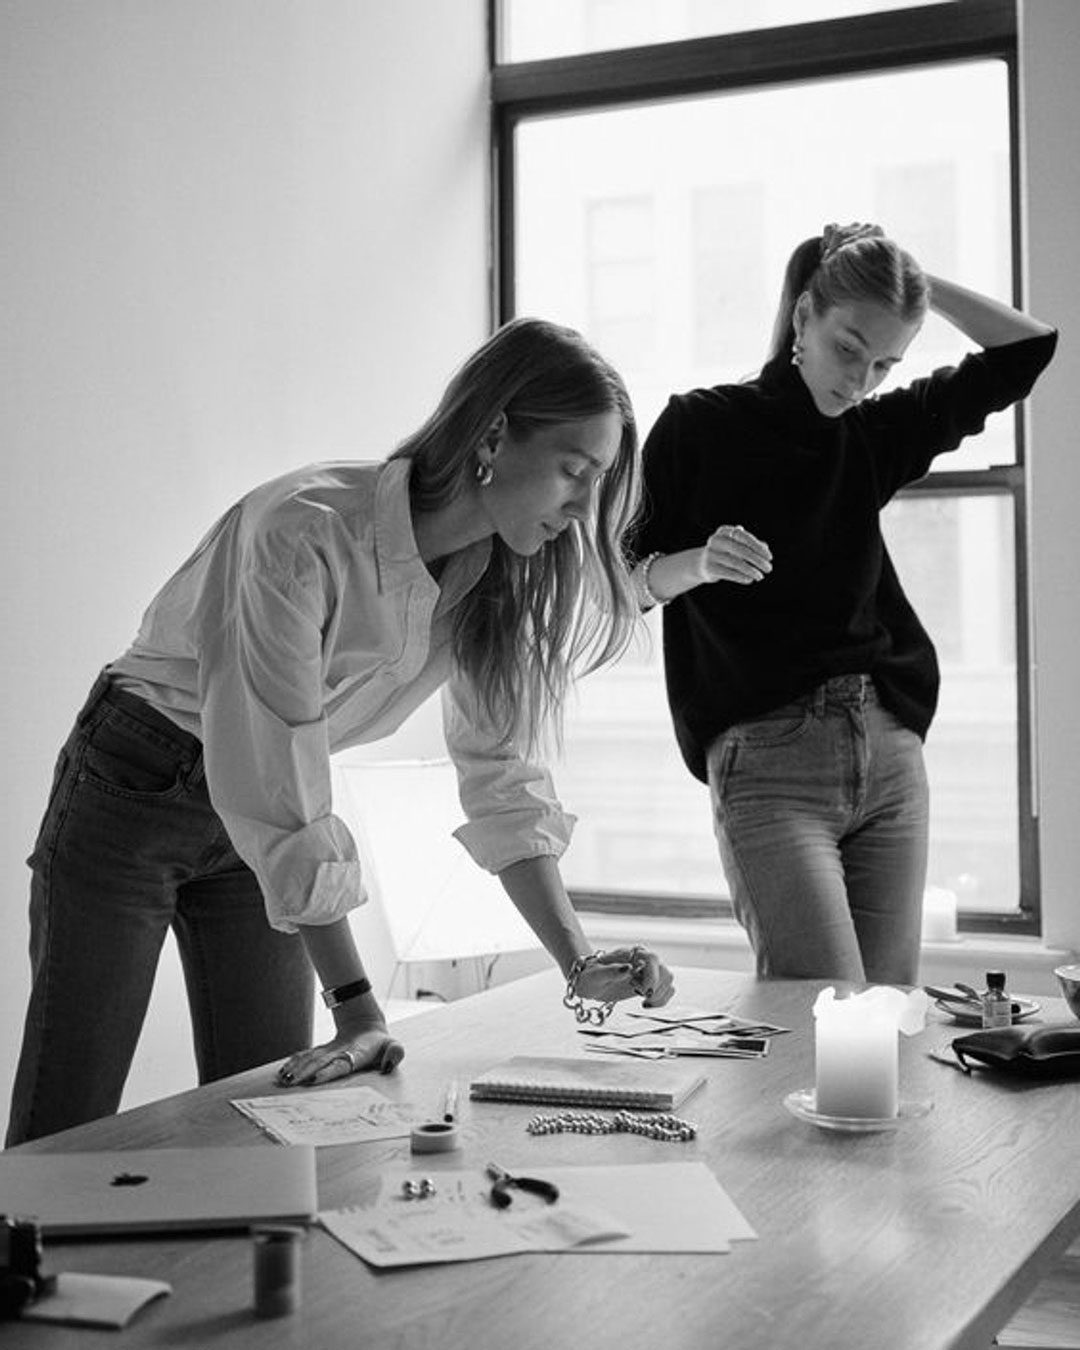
column 670, row 1129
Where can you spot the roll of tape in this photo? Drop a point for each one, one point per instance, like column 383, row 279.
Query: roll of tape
column 435, row 1137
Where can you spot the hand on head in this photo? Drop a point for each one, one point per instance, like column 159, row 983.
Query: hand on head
column 834, row 237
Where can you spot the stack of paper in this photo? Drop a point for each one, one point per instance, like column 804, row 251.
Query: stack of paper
column 645, row 1207
column 666, row 1033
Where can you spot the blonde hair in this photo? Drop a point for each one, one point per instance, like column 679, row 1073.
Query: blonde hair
column 844, row 264
column 533, row 624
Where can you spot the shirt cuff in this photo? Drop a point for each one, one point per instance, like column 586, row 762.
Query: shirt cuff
column 497, row 841
column 337, row 889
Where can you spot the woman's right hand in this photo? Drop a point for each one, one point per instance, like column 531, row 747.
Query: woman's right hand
column 349, row 1052
column 734, row 554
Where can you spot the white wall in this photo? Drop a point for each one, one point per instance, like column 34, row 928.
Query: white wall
column 1050, row 102
column 236, row 236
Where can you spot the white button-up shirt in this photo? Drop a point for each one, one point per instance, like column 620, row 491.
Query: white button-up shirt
column 306, row 622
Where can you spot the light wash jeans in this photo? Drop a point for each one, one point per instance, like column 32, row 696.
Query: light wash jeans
column 820, row 809
column 130, row 846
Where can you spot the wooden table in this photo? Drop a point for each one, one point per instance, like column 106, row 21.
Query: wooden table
column 927, row 1237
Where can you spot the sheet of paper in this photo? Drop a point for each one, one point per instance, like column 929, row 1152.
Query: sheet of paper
column 626, row 1024
column 679, row 1012
column 459, row 1223
column 668, row 1207
column 94, row 1300
column 664, row 1047
column 352, row 1115
column 646, row 1207
column 644, row 1032
column 708, row 1024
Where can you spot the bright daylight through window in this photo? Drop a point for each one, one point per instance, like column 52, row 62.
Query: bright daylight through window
column 661, row 230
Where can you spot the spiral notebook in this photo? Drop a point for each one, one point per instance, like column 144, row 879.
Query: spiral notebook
column 647, row 1085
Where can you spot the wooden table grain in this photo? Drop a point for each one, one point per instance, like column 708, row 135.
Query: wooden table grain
column 925, row 1238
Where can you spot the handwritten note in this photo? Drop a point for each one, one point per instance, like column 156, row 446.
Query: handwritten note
column 352, row 1115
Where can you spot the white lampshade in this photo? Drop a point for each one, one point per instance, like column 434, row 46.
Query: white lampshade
column 438, row 904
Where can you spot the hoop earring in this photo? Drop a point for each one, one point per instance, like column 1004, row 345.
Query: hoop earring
column 484, row 473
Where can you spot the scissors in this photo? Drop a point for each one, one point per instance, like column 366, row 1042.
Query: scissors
column 500, row 1191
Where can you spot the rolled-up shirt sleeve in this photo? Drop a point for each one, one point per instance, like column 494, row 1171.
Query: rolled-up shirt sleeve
column 510, row 803
column 266, row 743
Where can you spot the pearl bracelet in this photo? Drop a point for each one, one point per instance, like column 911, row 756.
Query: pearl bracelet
column 648, row 594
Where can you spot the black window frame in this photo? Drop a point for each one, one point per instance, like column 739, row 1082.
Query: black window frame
column 891, row 40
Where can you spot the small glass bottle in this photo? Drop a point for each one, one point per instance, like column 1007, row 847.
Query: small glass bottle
column 996, row 1003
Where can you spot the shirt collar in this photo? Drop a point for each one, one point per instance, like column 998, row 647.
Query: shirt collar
column 397, row 557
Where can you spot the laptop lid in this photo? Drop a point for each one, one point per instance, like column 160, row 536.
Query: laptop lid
column 148, row 1190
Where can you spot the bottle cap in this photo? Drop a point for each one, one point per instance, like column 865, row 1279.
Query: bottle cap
column 995, row 979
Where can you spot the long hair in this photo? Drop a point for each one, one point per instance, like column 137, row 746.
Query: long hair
column 845, row 264
column 533, row 624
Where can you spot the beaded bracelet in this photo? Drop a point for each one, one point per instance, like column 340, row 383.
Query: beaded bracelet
column 650, row 597
column 666, row 1128
column 599, row 1013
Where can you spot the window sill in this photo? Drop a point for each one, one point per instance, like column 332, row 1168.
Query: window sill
column 721, row 944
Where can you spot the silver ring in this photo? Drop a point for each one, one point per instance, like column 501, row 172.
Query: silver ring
column 347, row 1055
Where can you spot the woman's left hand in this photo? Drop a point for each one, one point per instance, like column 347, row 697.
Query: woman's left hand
column 626, row 972
column 346, row 1054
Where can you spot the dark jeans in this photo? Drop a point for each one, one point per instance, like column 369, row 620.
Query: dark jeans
column 821, row 812
column 128, row 847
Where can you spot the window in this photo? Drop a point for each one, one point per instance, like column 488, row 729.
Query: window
column 651, row 197
column 620, row 266
column 531, row 29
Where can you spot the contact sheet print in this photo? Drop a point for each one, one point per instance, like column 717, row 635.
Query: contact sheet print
column 351, row 1115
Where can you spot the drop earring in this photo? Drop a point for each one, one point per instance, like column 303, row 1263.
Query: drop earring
column 484, row 473
column 796, row 352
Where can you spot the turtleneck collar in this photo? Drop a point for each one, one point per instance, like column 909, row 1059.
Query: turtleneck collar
column 789, row 401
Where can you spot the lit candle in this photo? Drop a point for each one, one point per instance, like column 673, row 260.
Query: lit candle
column 857, row 1050
column 939, row 915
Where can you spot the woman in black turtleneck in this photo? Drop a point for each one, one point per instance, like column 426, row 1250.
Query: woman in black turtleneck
column 802, row 696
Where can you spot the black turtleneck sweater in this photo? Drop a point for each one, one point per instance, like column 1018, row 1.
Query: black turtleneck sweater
column 760, row 455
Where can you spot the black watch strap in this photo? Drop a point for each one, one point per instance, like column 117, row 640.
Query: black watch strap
column 343, row 992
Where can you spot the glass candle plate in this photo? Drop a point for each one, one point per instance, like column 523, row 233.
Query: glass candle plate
column 803, row 1105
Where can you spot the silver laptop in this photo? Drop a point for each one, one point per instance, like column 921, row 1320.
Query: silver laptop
column 149, row 1190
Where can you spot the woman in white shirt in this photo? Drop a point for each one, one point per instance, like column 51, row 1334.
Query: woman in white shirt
column 482, row 557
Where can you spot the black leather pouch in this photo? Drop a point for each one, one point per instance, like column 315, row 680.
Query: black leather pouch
column 1028, row 1052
